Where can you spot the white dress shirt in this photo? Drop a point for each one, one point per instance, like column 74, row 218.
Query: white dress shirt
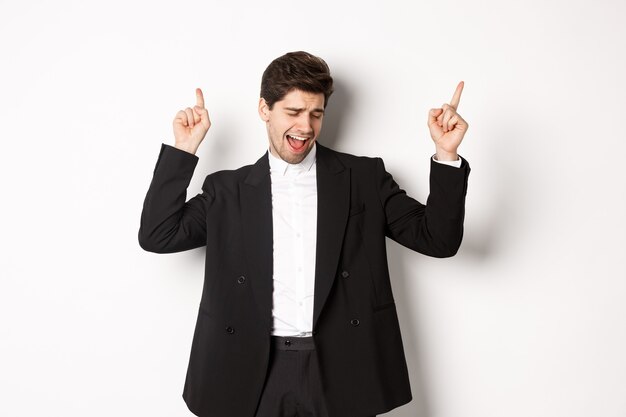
column 294, row 215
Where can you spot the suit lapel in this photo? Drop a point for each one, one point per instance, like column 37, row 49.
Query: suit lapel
column 333, row 204
column 256, row 218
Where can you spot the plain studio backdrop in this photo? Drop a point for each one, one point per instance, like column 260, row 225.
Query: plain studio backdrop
column 527, row 320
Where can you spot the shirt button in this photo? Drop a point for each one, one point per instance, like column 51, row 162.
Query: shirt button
column 241, row 280
column 287, row 342
column 230, row 330
column 355, row 322
column 345, row 274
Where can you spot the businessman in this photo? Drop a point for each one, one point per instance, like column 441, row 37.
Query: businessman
column 297, row 315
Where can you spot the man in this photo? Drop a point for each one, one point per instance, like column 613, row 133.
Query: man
column 297, row 316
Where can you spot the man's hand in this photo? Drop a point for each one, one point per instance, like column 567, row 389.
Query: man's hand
column 447, row 127
column 191, row 125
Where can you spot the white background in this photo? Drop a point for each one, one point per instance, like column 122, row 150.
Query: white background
column 527, row 320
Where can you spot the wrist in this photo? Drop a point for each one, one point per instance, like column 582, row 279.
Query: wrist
column 186, row 147
column 441, row 155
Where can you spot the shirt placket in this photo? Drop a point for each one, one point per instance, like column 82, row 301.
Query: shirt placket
column 298, row 223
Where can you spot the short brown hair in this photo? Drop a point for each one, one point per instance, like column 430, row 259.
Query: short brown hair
column 296, row 71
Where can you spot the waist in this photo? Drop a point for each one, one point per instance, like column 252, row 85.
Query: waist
column 293, row 343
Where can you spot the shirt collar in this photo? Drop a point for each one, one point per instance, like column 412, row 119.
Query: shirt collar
column 278, row 166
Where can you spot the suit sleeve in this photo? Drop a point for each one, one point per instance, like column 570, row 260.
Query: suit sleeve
column 434, row 229
column 168, row 223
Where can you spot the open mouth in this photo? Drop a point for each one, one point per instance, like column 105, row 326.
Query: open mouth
column 297, row 143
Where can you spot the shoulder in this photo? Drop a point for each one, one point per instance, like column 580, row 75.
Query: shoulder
column 349, row 160
column 230, row 175
column 230, row 179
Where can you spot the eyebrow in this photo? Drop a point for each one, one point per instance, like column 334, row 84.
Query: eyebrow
column 297, row 109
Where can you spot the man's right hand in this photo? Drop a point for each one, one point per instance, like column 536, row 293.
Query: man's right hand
column 191, row 125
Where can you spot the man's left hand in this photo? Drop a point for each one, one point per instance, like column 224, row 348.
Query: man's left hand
column 447, row 127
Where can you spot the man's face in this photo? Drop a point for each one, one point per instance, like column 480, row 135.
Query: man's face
column 293, row 124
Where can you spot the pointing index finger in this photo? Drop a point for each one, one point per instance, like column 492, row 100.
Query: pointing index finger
column 199, row 98
column 456, row 98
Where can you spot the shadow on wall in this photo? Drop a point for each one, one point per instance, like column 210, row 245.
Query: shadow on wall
column 397, row 257
column 486, row 239
column 339, row 105
column 506, row 197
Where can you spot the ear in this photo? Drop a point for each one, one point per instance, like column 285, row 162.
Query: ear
column 264, row 110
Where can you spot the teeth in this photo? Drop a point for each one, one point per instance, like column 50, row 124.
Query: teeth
column 297, row 137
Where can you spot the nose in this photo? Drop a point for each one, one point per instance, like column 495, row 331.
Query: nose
column 304, row 124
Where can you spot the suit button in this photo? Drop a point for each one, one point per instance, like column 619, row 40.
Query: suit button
column 241, row 280
column 345, row 274
column 355, row 322
column 230, row 330
column 287, row 342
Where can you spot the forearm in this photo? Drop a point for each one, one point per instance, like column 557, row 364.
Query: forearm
column 434, row 229
column 168, row 223
column 445, row 207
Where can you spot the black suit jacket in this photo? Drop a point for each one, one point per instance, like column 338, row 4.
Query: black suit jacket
column 355, row 326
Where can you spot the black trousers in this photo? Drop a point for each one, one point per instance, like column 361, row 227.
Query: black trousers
column 293, row 385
